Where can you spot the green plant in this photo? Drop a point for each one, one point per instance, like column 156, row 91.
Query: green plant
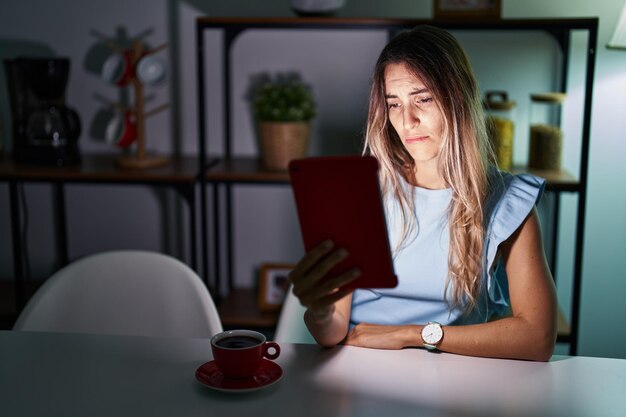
column 282, row 98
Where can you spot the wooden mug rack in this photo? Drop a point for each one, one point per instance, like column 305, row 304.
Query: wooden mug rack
column 141, row 158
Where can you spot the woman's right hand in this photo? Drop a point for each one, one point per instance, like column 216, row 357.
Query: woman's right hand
column 317, row 291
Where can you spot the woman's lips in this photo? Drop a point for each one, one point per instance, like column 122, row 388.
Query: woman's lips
column 416, row 139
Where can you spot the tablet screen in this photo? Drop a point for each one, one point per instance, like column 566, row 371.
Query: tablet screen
column 338, row 198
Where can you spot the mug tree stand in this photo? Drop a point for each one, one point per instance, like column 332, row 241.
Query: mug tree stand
column 141, row 158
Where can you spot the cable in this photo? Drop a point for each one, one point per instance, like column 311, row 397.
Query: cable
column 24, row 230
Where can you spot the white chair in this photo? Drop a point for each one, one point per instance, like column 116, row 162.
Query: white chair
column 290, row 327
column 125, row 292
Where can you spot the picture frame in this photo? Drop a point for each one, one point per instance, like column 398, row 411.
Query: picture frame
column 273, row 285
column 467, row 9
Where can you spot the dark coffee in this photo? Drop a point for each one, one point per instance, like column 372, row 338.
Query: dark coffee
column 238, row 342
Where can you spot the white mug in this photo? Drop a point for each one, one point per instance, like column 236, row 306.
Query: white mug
column 151, row 70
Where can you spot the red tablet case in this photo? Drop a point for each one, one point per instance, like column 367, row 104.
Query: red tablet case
column 338, row 198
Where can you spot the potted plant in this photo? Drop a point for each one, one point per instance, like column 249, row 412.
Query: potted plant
column 283, row 106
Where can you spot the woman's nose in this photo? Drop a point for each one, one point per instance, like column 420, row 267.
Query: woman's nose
column 410, row 117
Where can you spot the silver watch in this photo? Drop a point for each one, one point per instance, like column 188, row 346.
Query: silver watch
column 432, row 335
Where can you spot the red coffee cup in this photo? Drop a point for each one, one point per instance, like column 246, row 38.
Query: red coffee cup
column 239, row 353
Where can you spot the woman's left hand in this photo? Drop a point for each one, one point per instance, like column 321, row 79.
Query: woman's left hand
column 378, row 336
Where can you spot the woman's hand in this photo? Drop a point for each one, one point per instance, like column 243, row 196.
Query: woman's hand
column 315, row 290
column 378, row 336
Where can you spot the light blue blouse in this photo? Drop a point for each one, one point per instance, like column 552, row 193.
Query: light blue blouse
column 421, row 264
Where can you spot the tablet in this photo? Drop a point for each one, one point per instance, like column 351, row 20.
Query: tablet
column 338, row 198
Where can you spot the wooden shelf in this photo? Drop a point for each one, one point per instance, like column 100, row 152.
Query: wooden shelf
column 250, row 169
column 314, row 22
column 240, row 309
column 102, row 168
column 244, row 170
column 556, row 180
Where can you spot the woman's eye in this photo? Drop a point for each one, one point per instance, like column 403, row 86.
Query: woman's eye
column 393, row 105
column 425, row 100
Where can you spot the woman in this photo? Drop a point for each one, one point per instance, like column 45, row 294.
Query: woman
column 468, row 253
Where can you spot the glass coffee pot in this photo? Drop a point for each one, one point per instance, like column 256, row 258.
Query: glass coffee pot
column 54, row 126
column 45, row 130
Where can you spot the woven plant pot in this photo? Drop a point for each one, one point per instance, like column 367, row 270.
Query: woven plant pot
column 281, row 142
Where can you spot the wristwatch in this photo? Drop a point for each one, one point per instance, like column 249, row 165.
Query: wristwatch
column 432, row 335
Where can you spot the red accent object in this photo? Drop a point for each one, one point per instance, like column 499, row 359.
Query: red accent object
column 243, row 362
column 129, row 130
column 268, row 373
column 129, row 69
column 338, row 198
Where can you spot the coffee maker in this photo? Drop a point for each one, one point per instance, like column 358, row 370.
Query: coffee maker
column 45, row 131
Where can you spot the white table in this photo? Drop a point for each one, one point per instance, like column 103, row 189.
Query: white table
column 48, row 374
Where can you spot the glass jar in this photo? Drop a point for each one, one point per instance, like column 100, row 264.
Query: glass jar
column 546, row 136
column 500, row 126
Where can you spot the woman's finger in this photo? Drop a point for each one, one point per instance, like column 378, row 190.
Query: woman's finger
column 310, row 259
column 326, row 288
column 310, row 281
column 340, row 280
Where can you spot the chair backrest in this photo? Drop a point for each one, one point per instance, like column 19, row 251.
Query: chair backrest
column 123, row 292
column 290, row 327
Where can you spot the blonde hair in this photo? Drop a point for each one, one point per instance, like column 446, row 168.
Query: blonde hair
column 437, row 58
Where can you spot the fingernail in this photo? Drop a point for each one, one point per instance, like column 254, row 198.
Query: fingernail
column 342, row 252
column 356, row 272
column 327, row 244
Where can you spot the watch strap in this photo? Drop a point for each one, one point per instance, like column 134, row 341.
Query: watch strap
column 428, row 346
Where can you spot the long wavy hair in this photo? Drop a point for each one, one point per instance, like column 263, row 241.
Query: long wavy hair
column 435, row 56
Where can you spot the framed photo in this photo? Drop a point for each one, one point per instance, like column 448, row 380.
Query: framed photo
column 467, row 9
column 273, row 286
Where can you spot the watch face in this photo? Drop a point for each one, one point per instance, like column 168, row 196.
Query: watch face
column 432, row 333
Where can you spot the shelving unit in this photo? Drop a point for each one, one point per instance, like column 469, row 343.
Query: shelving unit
column 180, row 174
column 227, row 171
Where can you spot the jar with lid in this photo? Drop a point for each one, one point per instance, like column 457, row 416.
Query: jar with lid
column 546, row 136
column 500, row 126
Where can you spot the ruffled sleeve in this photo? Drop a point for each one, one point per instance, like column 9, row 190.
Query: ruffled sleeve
column 511, row 202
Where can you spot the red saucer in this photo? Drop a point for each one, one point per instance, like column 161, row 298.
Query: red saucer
column 268, row 373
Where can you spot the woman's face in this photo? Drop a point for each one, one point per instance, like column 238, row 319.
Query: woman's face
column 413, row 113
